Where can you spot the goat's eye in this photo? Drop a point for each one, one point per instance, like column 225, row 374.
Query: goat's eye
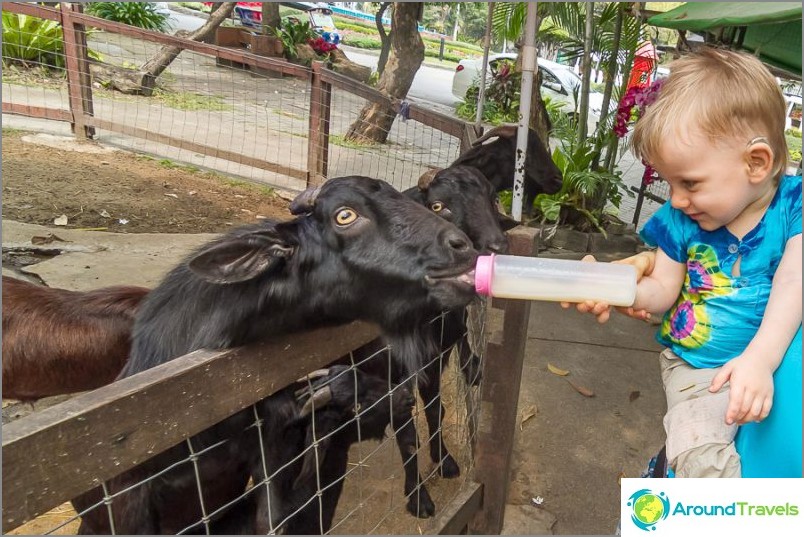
column 437, row 206
column 345, row 216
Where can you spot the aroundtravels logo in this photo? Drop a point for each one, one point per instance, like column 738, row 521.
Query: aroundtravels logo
column 648, row 508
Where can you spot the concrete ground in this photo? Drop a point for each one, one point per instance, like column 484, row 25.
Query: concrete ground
column 570, row 449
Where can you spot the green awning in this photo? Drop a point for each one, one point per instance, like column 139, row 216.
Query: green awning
column 711, row 15
column 772, row 29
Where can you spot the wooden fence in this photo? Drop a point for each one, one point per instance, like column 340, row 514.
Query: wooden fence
column 45, row 459
column 84, row 123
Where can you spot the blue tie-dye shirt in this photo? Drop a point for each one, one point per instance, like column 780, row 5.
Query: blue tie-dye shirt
column 717, row 315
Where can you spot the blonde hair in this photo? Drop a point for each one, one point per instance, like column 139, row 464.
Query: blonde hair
column 725, row 95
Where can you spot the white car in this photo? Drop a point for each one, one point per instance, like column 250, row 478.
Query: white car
column 559, row 82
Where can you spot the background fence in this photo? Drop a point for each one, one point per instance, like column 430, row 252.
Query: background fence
column 282, row 124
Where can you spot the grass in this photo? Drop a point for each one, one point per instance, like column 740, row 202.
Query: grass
column 338, row 139
column 185, row 100
column 238, row 183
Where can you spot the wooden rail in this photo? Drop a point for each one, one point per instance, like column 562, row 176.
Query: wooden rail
column 62, row 451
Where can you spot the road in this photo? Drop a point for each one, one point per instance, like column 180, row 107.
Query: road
column 431, row 84
column 432, row 87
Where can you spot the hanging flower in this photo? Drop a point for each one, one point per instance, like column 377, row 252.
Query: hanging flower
column 321, row 46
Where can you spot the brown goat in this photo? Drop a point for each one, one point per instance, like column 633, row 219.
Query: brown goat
column 57, row 341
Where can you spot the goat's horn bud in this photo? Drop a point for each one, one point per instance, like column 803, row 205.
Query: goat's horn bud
column 319, row 399
column 427, row 178
column 318, row 373
column 506, row 131
column 304, row 202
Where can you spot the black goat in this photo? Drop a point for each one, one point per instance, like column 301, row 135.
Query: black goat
column 358, row 249
column 315, row 428
column 494, row 152
column 463, row 196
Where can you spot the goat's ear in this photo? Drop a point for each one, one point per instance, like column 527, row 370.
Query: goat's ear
column 506, row 222
column 240, row 259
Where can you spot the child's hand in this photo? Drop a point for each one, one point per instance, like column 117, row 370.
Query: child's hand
column 643, row 262
column 751, row 390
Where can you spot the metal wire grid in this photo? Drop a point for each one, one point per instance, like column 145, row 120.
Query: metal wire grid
column 411, row 149
column 231, row 108
column 372, row 500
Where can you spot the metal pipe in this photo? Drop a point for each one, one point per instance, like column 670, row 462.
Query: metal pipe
column 481, row 97
column 528, row 68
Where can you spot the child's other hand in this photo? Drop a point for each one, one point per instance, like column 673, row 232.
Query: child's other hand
column 643, row 262
column 750, row 392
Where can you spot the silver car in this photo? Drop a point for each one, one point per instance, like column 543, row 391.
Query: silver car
column 559, row 82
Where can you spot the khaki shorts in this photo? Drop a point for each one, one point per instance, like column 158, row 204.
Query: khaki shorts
column 699, row 443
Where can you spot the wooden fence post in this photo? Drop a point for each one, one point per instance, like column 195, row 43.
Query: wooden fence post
column 499, row 399
column 318, row 132
column 79, row 81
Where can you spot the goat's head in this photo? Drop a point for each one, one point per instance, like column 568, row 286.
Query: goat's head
column 494, row 153
column 343, row 405
column 463, row 196
column 358, row 249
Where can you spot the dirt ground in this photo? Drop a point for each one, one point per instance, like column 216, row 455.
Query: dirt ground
column 124, row 192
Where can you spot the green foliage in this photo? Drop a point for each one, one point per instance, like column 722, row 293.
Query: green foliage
column 31, row 40
column 293, row 32
column 501, row 98
column 793, row 138
column 586, row 188
column 362, row 41
column 139, row 14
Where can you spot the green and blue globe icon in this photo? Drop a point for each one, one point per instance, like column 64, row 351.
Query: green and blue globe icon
column 648, row 508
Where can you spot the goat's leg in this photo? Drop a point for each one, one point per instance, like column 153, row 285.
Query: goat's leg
column 419, row 502
column 430, row 391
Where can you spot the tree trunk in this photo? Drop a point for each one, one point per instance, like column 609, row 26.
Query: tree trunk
column 270, row 17
column 162, row 59
column 385, row 38
column 407, row 55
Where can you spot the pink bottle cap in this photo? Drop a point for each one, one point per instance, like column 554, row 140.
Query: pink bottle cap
column 484, row 270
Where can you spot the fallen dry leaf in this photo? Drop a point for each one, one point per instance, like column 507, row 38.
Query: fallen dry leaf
column 633, row 396
column 557, row 371
column 61, row 220
column 46, row 239
column 586, row 392
column 527, row 413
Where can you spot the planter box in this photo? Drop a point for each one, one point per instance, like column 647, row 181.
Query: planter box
column 240, row 38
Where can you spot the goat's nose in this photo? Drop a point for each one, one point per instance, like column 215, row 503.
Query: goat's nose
column 498, row 247
column 456, row 240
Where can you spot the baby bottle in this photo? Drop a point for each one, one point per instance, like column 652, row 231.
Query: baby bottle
column 560, row 280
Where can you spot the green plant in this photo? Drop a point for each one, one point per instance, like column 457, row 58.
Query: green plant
column 293, row 32
column 793, row 138
column 501, row 98
column 31, row 40
column 586, row 188
column 139, row 14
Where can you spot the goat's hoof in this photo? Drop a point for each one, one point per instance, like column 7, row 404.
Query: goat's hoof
column 449, row 468
column 420, row 505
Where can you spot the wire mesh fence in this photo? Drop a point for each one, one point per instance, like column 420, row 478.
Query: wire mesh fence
column 232, row 112
column 323, row 456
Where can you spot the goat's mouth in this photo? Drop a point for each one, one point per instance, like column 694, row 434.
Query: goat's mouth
column 462, row 277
